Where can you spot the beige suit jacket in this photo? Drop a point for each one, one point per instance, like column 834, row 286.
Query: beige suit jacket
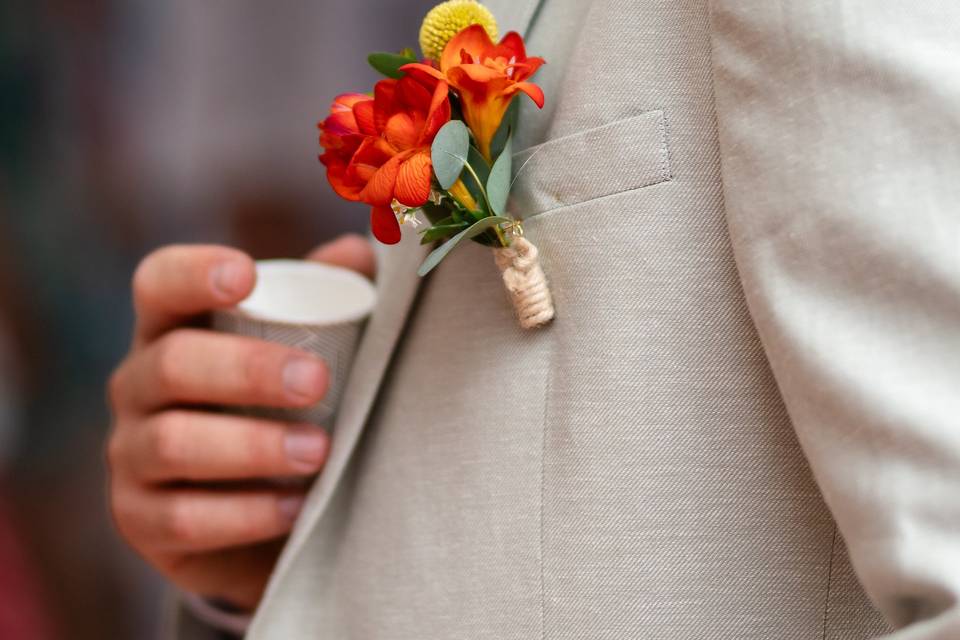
column 748, row 211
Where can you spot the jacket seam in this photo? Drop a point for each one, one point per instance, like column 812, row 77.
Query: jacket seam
column 543, row 449
column 826, row 601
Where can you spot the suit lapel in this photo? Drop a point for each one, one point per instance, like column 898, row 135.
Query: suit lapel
column 514, row 15
column 397, row 285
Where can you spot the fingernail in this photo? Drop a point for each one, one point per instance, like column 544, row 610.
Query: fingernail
column 228, row 279
column 289, row 507
column 303, row 378
column 306, row 446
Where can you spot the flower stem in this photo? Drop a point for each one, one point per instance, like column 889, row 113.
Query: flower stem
column 486, row 199
column 483, row 191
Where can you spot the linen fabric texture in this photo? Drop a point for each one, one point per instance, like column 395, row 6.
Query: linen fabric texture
column 747, row 210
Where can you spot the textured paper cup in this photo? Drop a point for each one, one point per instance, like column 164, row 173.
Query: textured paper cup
column 310, row 306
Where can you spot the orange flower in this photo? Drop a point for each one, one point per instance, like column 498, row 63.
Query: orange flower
column 377, row 150
column 486, row 75
column 340, row 136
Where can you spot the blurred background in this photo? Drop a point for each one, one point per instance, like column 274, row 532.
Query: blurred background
column 125, row 126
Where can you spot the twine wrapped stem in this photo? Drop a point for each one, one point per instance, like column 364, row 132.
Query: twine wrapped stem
column 525, row 281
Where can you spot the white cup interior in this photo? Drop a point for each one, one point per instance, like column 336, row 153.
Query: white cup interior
column 301, row 292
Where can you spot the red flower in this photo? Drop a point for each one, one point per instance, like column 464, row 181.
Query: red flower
column 377, row 150
column 486, row 75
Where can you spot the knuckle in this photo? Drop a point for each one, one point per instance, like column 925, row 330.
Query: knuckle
column 167, row 444
column 264, row 450
column 179, row 521
column 260, row 369
column 272, row 519
column 252, row 528
column 167, row 364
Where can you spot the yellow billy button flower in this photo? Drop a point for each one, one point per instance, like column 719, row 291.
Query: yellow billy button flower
column 447, row 19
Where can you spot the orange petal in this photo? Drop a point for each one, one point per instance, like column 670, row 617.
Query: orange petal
column 361, row 173
column 415, row 94
column 438, row 115
column 346, row 101
column 372, row 154
column 384, row 102
column 343, row 145
column 510, row 46
column 525, row 69
column 379, row 191
column 342, row 185
column 474, row 40
column 479, row 72
column 532, row 90
column 469, row 90
column 383, row 223
column 483, row 113
column 400, row 131
column 422, row 72
column 340, row 123
column 373, row 151
column 363, row 115
column 413, row 180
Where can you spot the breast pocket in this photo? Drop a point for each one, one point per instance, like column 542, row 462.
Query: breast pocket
column 619, row 156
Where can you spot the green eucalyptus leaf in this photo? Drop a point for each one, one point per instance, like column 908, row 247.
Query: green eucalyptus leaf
column 507, row 126
column 435, row 213
column 389, row 63
column 441, row 252
column 498, row 184
column 439, row 231
column 440, row 222
column 449, row 152
column 479, row 165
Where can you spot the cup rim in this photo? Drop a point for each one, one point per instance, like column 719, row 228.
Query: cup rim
column 300, row 266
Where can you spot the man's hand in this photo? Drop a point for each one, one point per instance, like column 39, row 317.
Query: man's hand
column 186, row 482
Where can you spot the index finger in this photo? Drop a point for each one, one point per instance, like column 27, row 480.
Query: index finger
column 177, row 282
column 349, row 250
